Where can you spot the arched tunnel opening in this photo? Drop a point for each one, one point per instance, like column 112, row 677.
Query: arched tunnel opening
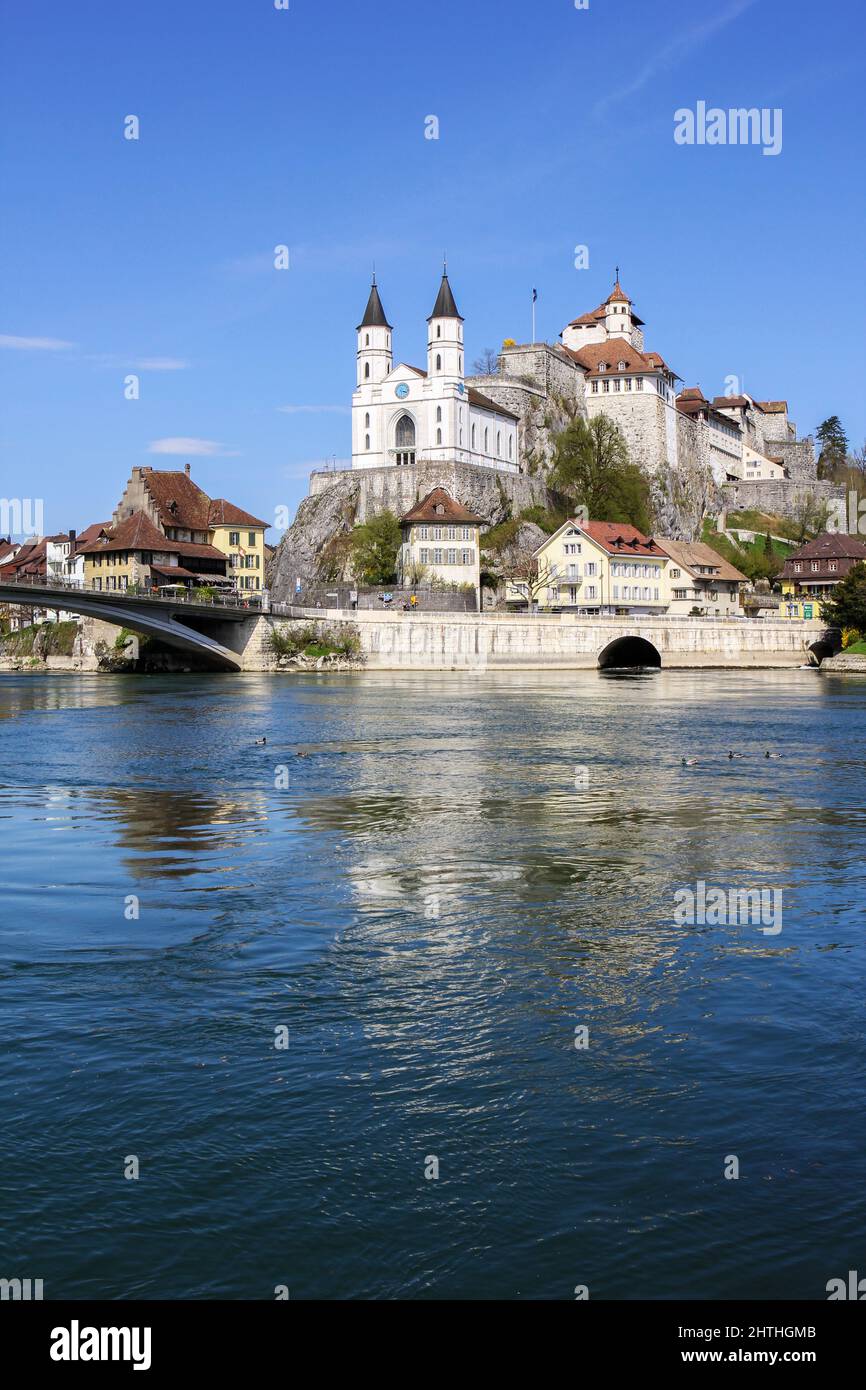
column 629, row 654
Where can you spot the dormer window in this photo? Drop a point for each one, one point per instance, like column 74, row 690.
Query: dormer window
column 439, row 509
column 620, row 366
column 602, row 366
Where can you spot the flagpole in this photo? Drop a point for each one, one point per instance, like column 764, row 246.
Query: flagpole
column 533, row 316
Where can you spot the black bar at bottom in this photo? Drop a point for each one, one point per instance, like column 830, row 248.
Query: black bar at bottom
column 80, row 1338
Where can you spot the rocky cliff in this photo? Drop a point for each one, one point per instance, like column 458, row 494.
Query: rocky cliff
column 315, row 546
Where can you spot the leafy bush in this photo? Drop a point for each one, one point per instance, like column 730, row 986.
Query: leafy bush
column 314, row 640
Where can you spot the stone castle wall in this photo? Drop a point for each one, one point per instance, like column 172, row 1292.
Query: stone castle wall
column 798, row 457
column 778, row 496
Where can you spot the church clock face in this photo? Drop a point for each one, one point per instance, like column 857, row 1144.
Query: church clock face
column 460, row 387
column 402, row 390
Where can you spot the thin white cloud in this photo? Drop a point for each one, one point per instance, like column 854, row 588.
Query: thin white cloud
column 182, row 444
column 161, row 364
column 673, row 52
column 8, row 340
column 314, row 409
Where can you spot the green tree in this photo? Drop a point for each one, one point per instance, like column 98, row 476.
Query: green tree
column 591, row 468
column 375, row 547
column 834, row 446
column 846, row 608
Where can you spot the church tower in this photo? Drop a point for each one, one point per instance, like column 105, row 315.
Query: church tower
column 374, row 342
column 445, row 335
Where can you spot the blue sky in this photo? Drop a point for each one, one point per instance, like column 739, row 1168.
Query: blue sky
column 305, row 127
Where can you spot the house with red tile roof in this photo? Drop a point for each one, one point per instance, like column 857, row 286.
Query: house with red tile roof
column 810, row 574
column 136, row 554
column 597, row 567
column 441, row 541
column 184, row 514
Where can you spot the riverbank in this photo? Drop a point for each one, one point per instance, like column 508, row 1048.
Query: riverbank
column 472, row 642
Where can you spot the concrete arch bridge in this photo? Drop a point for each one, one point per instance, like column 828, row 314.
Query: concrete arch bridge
column 217, row 632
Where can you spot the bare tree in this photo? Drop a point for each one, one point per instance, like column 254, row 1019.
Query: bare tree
column 810, row 515
column 487, row 364
column 529, row 578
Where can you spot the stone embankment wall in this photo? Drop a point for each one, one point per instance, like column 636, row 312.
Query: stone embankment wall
column 466, row 642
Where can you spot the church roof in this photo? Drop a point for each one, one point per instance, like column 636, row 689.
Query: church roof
column 439, row 505
column 374, row 314
column 773, row 407
column 445, row 307
column 477, row 398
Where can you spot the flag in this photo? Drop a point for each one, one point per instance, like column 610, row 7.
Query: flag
column 534, row 295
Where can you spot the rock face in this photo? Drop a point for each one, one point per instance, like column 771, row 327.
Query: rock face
column 315, row 546
column 683, row 496
column 846, row 663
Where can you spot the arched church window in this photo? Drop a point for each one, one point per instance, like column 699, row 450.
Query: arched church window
column 438, row 363
column 438, row 436
column 473, row 436
column 404, row 432
column 367, row 344
column 438, row 412
column 498, row 444
column 367, row 421
column 404, row 440
column 366, row 370
column 366, row 441
column 510, row 442
column 438, row 330
column 485, row 440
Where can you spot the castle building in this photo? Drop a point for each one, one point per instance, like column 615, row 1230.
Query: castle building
column 747, row 448
column 402, row 415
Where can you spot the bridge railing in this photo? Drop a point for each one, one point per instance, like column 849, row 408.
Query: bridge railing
column 239, row 599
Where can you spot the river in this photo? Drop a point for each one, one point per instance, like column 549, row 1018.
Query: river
column 397, row 1004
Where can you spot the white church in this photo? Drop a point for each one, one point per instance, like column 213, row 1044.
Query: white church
column 402, row 415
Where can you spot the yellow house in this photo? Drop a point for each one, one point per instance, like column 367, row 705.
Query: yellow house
column 133, row 554
column 811, row 573
column 595, row 567
column 202, row 525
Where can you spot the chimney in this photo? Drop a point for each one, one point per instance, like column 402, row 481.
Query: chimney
column 71, row 537
column 187, row 468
